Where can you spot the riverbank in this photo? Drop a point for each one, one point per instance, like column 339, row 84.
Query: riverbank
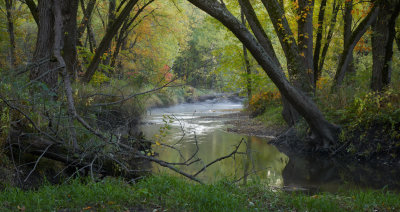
column 165, row 193
column 242, row 123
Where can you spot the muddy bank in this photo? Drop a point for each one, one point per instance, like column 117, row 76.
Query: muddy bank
column 241, row 123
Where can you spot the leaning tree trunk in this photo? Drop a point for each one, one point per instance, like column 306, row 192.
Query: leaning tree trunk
column 383, row 36
column 326, row 132
column 289, row 114
column 246, row 61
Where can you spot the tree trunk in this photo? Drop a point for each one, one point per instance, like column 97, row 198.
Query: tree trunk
column 111, row 18
column 87, row 18
column 296, row 64
column 383, row 36
column 34, row 10
column 69, row 14
column 348, row 50
column 289, row 114
column 318, row 41
column 305, row 36
column 347, row 26
column 11, row 34
column 46, row 73
column 111, row 31
column 328, row 38
column 326, row 132
column 246, row 61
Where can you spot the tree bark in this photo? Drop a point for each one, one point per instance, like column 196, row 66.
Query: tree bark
column 46, row 73
column 111, row 31
column 87, row 17
column 34, row 10
column 326, row 132
column 348, row 50
column 383, row 36
column 318, row 41
column 305, row 36
column 69, row 14
column 296, row 65
column 347, row 26
column 11, row 34
column 246, row 61
column 328, row 38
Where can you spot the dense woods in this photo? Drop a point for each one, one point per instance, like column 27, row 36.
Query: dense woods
column 77, row 76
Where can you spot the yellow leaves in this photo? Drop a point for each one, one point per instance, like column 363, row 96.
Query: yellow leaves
column 158, row 143
column 21, row 208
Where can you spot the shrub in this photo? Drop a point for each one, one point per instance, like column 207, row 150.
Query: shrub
column 260, row 101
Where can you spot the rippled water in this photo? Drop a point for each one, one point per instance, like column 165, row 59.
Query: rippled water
column 198, row 127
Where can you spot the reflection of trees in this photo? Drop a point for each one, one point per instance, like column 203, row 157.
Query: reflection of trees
column 330, row 175
column 264, row 161
column 260, row 160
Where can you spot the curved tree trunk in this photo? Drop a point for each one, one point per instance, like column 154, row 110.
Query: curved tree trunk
column 34, row 10
column 326, row 132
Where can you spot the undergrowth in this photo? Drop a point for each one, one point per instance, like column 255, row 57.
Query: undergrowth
column 176, row 194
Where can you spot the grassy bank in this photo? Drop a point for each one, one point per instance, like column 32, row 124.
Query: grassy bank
column 173, row 194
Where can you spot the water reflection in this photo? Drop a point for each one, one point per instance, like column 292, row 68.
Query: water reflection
column 330, row 175
column 258, row 159
column 199, row 125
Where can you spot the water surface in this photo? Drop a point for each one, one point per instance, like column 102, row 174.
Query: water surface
column 199, row 128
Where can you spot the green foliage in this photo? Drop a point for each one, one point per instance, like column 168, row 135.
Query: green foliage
column 373, row 109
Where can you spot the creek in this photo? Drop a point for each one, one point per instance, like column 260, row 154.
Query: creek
column 200, row 127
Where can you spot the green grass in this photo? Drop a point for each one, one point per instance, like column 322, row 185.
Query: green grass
column 272, row 116
column 175, row 194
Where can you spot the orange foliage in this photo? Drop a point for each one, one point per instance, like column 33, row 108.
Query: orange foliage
column 260, row 101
